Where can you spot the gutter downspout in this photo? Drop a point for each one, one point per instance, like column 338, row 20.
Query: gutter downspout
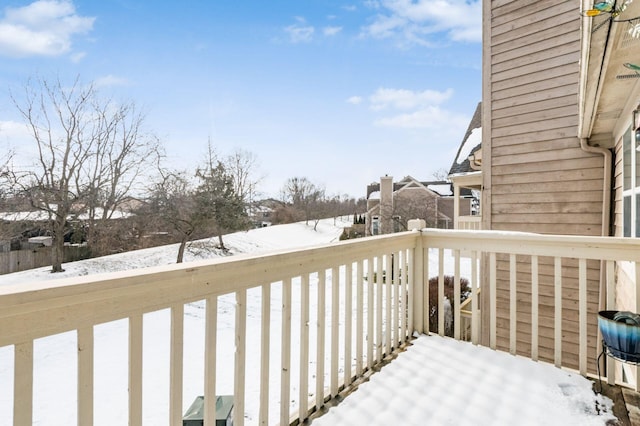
column 606, row 185
column 584, row 130
column 606, row 221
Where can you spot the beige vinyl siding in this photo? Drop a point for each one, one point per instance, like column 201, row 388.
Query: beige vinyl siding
column 618, row 221
column 534, row 70
column 538, row 178
column 570, row 325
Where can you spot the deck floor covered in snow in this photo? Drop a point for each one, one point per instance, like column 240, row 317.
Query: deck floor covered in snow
column 441, row 381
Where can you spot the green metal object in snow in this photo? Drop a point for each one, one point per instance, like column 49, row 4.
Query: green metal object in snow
column 224, row 412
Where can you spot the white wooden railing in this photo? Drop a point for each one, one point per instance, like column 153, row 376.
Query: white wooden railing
column 470, row 222
column 550, row 283
column 346, row 289
column 344, row 308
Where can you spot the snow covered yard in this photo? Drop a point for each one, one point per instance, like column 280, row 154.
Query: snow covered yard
column 493, row 388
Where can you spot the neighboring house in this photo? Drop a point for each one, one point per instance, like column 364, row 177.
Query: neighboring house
column 261, row 213
column 559, row 149
column 391, row 204
column 466, row 172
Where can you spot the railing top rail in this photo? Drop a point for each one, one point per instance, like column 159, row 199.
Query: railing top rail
column 38, row 309
column 525, row 243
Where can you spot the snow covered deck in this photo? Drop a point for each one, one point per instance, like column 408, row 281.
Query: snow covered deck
column 285, row 331
column 441, row 381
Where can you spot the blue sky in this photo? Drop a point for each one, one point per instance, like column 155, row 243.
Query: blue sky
column 340, row 92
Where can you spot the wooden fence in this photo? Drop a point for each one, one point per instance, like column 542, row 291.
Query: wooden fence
column 22, row 260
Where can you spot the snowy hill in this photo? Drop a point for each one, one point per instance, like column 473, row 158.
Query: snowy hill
column 253, row 241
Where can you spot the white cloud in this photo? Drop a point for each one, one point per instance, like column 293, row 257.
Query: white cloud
column 300, row 32
column 45, row 27
column 404, row 99
column 408, row 109
column 110, row 80
column 12, row 130
column 331, row 31
column 424, row 118
column 355, row 100
column 78, row 56
column 414, row 21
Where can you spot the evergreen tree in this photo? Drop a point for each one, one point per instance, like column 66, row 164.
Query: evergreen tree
column 217, row 203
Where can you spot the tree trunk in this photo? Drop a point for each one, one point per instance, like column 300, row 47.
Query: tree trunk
column 183, row 244
column 57, row 248
column 220, row 243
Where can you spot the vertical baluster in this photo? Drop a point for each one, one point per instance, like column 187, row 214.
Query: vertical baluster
column 582, row 315
column 611, row 305
column 441, row 292
column 335, row 331
column 322, row 278
column 455, row 303
column 395, row 320
column 475, row 315
column 135, row 370
column 23, row 384
column 210, row 345
column 402, row 295
column 240, row 358
column 348, row 322
column 411, row 290
column 285, row 381
column 534, row 307
column 265, row 346
column 370, row 312
column 304, row 347
column 557, row 284
column 391, row 282
column 359, row 317
column 379, row 291
column 492, row 300
column 176, row 367
column 85, row 376
column 425, row 293
column 513, row 314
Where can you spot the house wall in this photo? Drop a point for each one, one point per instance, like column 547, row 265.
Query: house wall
column 536, row 178
column 416, row 203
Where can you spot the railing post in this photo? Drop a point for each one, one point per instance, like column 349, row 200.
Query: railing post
column 85, row 376
column 416, row 286
column 23, row 384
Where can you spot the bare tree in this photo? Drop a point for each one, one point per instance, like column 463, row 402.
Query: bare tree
column 172, row 200
column 414, row 206
column 441, row 174
column 5, row 171
column 306, row 197
column 123, row 153
column 241, row 166
column 88, row 153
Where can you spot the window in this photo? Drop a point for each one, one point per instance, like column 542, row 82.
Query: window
column 375, row 225
column 630, row 185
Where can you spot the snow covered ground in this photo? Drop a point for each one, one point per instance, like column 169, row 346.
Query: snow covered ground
column 412, row 388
